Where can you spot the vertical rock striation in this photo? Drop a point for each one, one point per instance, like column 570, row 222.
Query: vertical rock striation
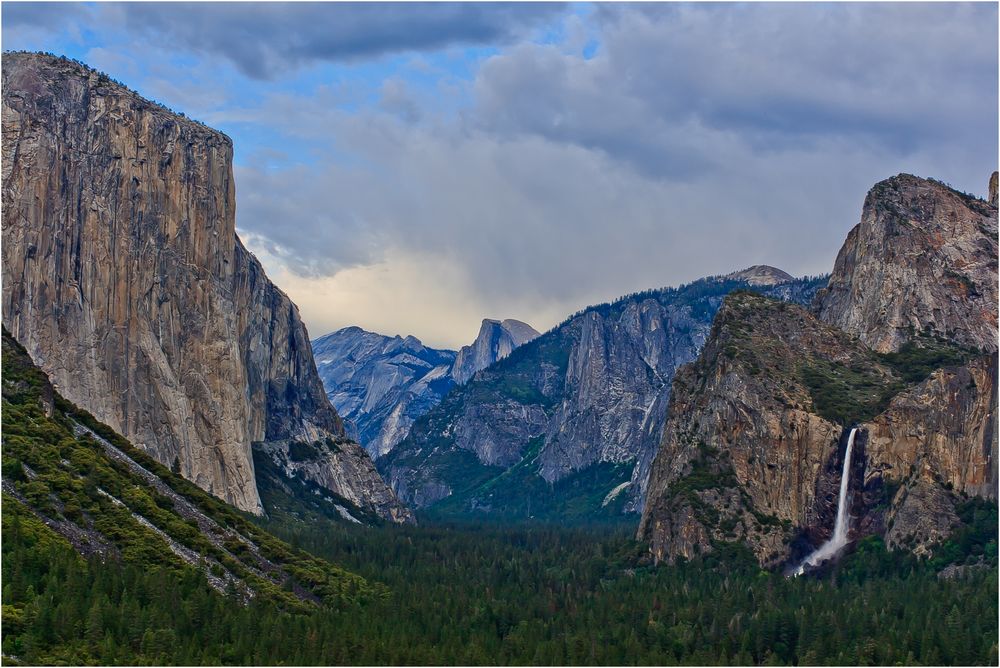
column 125, row 280
column 923, row 258
column 568, row 424
column 495, row 341
column 755, row 434
column 381, row 384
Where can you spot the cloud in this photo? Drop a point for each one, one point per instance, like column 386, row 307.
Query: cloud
column 265, row 40
column 26, row 23
column 590, row 152
column 50, row 15
column 669, row 79
column 698, row 140
column 402, row 294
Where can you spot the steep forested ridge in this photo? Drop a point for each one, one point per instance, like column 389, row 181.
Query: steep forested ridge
column 80, row 502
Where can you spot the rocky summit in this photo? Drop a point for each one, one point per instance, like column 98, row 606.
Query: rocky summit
column 124, row 279
column 495, row 341
column 754, row 445
column 761, row 274
column 381, row 384
column 567, row 425
column 922, row 259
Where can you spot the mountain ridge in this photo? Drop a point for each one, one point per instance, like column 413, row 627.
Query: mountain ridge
column 381, row 383
column 125, row 280
column 579, row 407
column 112, row 502
column 753, row 447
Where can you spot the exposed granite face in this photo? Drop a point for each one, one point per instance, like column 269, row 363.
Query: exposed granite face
column 993, row 188
column 285, row 393
column 761, row 274
column 922, row 514
column 924, row 256
column 746, row 454
column 588, row 396
column 753, row 446
column 945, row 426
column 743, row 453
column 343, row 467
column 381, row 384
column 124, row 278
column 495, row 341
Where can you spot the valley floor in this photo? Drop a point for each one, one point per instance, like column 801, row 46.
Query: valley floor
column 510, row 595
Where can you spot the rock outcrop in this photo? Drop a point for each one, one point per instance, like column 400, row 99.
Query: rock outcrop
column 381, row 384
column 754, row 442
column 943, row 428
column 753, row 446
column 761, row 274
column 922, row 259
column 495, row 341
column 743, row 448
column 936, row 438
column 125, row 280
column 568, row 424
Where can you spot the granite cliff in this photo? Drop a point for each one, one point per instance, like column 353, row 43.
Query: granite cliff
column 566, row 426
column 922, row 259
column 124, row 279
column 496, row 340
column 140, row 514
column 382, row 384
column 753, row 446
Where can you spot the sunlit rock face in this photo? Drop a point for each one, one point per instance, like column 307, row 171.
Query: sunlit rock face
column 125, row 280
column 496, row 340
column 754, row 444
column 922, row 259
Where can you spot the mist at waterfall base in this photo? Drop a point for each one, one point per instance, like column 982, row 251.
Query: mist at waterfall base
column 843, row 525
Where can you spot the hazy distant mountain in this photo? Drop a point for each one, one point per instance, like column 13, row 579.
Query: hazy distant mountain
column 566, row 426
column 496, row 340
column 381, row 384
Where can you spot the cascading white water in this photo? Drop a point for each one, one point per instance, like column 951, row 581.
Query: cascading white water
column 843, row 524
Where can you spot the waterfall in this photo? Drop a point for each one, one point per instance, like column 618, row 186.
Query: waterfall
column 843, row 524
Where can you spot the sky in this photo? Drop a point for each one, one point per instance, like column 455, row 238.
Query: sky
column 414, row 168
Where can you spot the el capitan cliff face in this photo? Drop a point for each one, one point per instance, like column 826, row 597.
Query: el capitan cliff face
column 126, row 282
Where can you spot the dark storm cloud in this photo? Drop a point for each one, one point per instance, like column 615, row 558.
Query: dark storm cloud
column 267, row 39
column 40, row 14
column 598, row 150
column 696, row 140
column 899, row 76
